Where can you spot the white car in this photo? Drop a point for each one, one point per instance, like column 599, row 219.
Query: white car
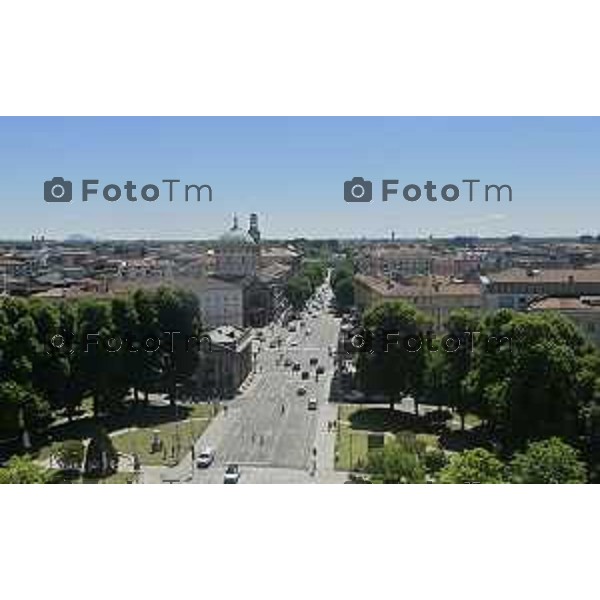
column 232, row 474
column 312, row 404
column 205, row 458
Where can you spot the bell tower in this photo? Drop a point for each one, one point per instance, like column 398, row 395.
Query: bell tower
column 253, row 230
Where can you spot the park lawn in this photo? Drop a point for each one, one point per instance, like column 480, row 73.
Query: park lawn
column 133, row 433
column 177, row 438
column 352, row 445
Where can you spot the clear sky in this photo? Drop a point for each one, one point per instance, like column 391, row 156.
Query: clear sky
column 291, row 172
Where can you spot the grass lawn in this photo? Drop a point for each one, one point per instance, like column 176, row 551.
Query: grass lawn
column 177, row 437
column 357, row 421
column 132, row 431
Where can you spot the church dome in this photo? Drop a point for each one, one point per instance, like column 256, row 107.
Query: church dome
column 236, row 236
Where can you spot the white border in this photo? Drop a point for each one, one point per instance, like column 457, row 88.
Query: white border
column 302, row 58
column 313, row 57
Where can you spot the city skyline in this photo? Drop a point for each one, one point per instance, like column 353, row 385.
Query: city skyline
column 291, row 171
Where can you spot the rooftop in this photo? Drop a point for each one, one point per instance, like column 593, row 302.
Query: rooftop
column 428, row 286
column 227, row 335
column 517, row 275
column 591, row 303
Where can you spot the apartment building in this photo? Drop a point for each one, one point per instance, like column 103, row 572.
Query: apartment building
column 395, row 261
column 583, row 310
column 226, row 363
column 516, row 288
column 436, row 297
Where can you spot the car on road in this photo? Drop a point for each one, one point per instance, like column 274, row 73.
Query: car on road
column 320, row 370
column 305, row 374
column 296, row 366
column 312, row 404
column 313, row 361
column 273, row 344
column 232, row 474
column 205, row 458
column 294, row 343
column 287, row 362
column 301, row 391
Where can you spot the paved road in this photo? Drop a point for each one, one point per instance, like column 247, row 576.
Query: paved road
column 268, row 429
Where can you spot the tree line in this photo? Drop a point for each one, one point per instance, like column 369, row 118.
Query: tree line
column 301, row 286
column 342, row 285
column 408, row 460
column 544, row 384
column 55, row 355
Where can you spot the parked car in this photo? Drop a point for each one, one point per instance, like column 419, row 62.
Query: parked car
column 296, row 366
column 205, row 458
column 232, row 474
column 301, row 391
column 313, row 361
column 305, row 374
column 320, row 370
column 312, row 404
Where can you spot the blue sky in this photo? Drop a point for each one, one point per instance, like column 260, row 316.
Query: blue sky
column 291, row 172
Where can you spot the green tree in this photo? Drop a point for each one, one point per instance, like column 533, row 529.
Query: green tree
column 298, row 290
column 125, row 326
column 179, row 320
column 101, row 458
column 397, row 462
column 450, row 365
column 532, row 380
column 21, row 408
column 147, row 370
column 473, row 466
column 548, row 461
column 99, row 360
column 69, row 455
column 315, row 272
column 343, row 289
column 19, row 337
column 51, row 372
column 343, row 270
column 434, row 460
column 396, row 368
column 21, row 469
